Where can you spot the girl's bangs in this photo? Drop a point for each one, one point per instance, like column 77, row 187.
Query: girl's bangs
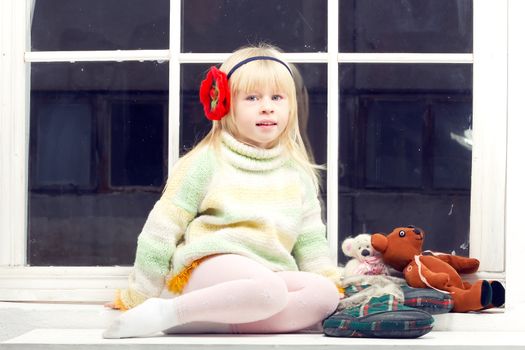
column 263, row 73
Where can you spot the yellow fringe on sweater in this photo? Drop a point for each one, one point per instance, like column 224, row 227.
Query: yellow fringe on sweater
column 119, row 304
column 177, row 283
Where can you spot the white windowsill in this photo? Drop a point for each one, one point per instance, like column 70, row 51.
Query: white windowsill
column 52, row 326
column 90, row 338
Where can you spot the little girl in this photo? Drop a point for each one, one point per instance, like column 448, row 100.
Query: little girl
column 237, row 233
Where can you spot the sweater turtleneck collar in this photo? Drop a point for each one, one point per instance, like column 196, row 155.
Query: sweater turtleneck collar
column 251, row 158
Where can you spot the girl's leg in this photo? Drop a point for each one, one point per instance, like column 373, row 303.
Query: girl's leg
column 311, row 298
column 223, row 289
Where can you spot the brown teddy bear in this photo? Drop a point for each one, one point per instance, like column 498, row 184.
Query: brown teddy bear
column 402, row 249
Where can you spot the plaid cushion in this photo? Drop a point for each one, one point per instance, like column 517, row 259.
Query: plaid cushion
column 355, row 288
column 426, row 299
column 381, row 317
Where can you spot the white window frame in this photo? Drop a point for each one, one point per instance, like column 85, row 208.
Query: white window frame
column 489, row 236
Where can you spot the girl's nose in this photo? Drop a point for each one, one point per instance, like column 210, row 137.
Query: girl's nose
column 267, row 105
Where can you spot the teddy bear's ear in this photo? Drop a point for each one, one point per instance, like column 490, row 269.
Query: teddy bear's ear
column 346, row 246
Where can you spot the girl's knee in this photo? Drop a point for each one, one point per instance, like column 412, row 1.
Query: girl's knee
column 326, row 295
column 271, row 293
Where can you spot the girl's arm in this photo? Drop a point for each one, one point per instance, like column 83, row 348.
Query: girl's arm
column 156, row 243
column 311, row 250
column 165, row 226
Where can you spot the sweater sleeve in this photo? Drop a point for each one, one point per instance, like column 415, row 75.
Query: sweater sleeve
column 311, row 250
column 165, row 226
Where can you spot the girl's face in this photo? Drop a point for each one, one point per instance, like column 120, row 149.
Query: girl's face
column 261, row 116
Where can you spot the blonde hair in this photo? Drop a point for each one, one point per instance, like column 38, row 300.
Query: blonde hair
column 264, row 73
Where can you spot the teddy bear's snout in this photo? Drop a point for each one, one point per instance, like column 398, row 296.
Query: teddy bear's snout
column 365, row 252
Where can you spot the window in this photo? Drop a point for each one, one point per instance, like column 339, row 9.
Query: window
column 405, row 150
column 399, row 108
column 99, row 25
column 97, row 159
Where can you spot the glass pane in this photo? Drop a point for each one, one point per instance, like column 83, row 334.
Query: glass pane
column 66, row 25
column 405, row 26
column 223, row 26
column 405, row 151
column 394, row 138
column 312, row 103
column 137, row 131
column 64, row 145
column 97, row 161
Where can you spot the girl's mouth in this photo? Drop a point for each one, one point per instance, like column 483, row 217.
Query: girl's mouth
column 266, row 123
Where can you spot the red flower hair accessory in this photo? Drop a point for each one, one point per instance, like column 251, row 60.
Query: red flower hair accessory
column 215, row 94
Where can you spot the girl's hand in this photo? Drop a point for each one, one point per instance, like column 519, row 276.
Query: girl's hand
column 111, row 305
column 341, row 292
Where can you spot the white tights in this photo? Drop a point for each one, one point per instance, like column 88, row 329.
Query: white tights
column 233, row 294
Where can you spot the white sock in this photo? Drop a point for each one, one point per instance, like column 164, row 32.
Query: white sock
column 152, row 316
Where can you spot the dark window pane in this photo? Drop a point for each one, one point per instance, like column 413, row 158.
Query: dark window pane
column 394, row 136
column 312, row 108
column 405, row 26
column 404, row 151
column 97, row 161
column 453, row 144
column 223, row 26
column 137, row 135
column 63, row 150
column 62, row 25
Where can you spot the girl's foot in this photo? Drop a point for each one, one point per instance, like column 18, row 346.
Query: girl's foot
column 152, row 316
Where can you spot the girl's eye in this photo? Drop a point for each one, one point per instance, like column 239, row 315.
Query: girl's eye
column 251, row 98
column 277, row 97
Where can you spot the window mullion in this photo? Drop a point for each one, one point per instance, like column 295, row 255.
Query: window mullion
column 13, row 133
column 489, row 108
column 333, row 128
column 97, row 56
column 358, row 57
column 174, row 84
column 294, row 57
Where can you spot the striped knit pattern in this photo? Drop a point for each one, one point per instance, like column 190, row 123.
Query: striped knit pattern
column 237, row 199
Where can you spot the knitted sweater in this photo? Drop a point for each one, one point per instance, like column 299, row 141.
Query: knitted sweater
column 247, row 201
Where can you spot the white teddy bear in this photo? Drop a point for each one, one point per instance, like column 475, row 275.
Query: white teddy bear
column 365, row 260
column 367, row 268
